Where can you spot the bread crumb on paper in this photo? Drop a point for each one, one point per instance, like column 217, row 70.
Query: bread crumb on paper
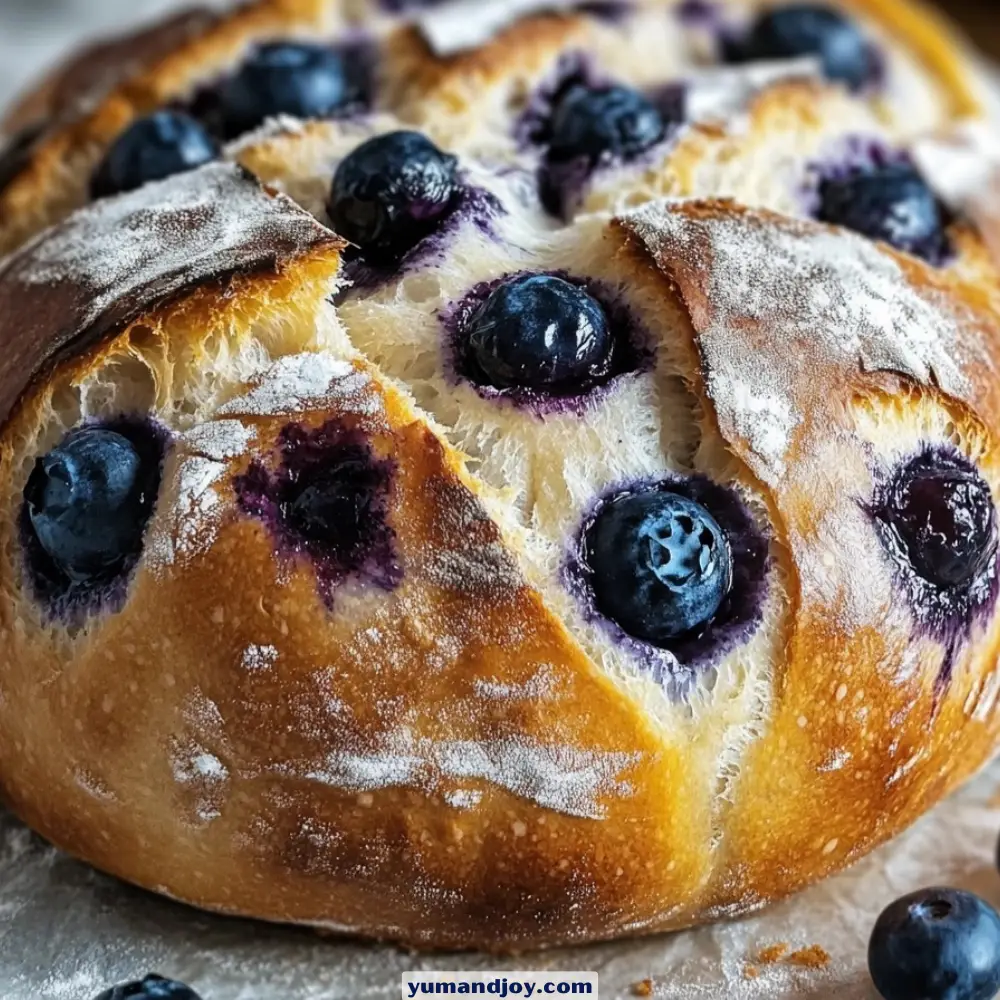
column 772, row 953
column 751, row 972
column 643, row 989
column 813, row 957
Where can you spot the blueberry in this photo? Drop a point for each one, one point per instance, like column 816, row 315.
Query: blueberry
column 391, row 192
column 936, row 944
column 811, row 30
column 88, row 501
column 161, row 145
column 539, row 332
column 940, row 512
column 333, row 504
column 287, row 78
column 892, row 204
column 597, row 123
column 150, row 988
column 660, row 565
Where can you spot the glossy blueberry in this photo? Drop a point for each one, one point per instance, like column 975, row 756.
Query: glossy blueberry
column 811, row 30
column 539, row 332
column 660, row 564
column 150, row 988
column 892, row 203
column 287, row 78
column 594, row 123
column 161, row 145
column 391, row 192
column 88, row 502
column 941, row 514
column 936, row 944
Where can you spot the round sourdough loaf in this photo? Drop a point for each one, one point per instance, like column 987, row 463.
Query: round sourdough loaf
column 549, row 495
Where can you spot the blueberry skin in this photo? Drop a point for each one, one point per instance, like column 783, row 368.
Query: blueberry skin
column 539, row 332
column 936, row 944
column 811, row 30
column 594, row 124
column 150, row 988
column 88, row 503
column 391, row 192
column 161, row 145
column 943, row 517
column 286, row 78
column 893, row 204
column 660, row 564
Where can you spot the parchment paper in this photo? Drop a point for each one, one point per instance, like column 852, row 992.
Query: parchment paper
column 67, row 932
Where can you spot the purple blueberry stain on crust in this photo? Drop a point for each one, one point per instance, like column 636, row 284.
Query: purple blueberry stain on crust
column 87, row 505
column 630, row 349
column 325, row 500
column 936, row 519
column 675, row 663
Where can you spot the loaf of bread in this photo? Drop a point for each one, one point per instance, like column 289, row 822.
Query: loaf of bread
column 485, row 478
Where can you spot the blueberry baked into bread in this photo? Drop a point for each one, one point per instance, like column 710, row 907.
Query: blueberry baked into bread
column 496, row 494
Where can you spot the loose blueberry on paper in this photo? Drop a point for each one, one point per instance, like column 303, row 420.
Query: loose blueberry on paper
column 391, row 192
column 150, row 988
column 802, row 30
column 592, row 123
column 893, row 204
column 88, row 501
column 936, row 944
column 150, row 149
column 539, row 332
column 287, row 78
column 660, row 563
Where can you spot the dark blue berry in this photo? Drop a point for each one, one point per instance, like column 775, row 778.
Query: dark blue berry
column 287, row 78
column 539, row 332
column 161, row 145
column 660, row 565
column 391, row 192
column 811, row 30
column 936, row 944
column 598, row 123
column 150, row 988
column 88, row 502
column 941, row 515
column 893, row 204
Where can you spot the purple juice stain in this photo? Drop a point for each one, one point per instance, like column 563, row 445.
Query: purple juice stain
column 471, row 205
column 676, row 665
column 326, row 500
column 632, row 351
column 937, row 522
column 73, row 601
column 562, row 183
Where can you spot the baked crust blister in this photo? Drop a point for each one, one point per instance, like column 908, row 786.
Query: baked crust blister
column 441, row 740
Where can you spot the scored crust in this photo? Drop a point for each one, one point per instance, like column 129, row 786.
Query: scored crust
column 60, row 130
column 460, row 759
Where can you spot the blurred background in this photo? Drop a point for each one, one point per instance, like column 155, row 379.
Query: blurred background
column 35, row 32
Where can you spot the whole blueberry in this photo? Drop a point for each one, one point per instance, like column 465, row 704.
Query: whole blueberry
column 811, row 30
column 941, row 513
column 660, row 565
column 892, row 203
column 936, row 944
column 539, row 332
column 597, row 123
column 391, row 192
column 88, row 502
column 161, row 145
column 150, row 988
column 287, row 78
